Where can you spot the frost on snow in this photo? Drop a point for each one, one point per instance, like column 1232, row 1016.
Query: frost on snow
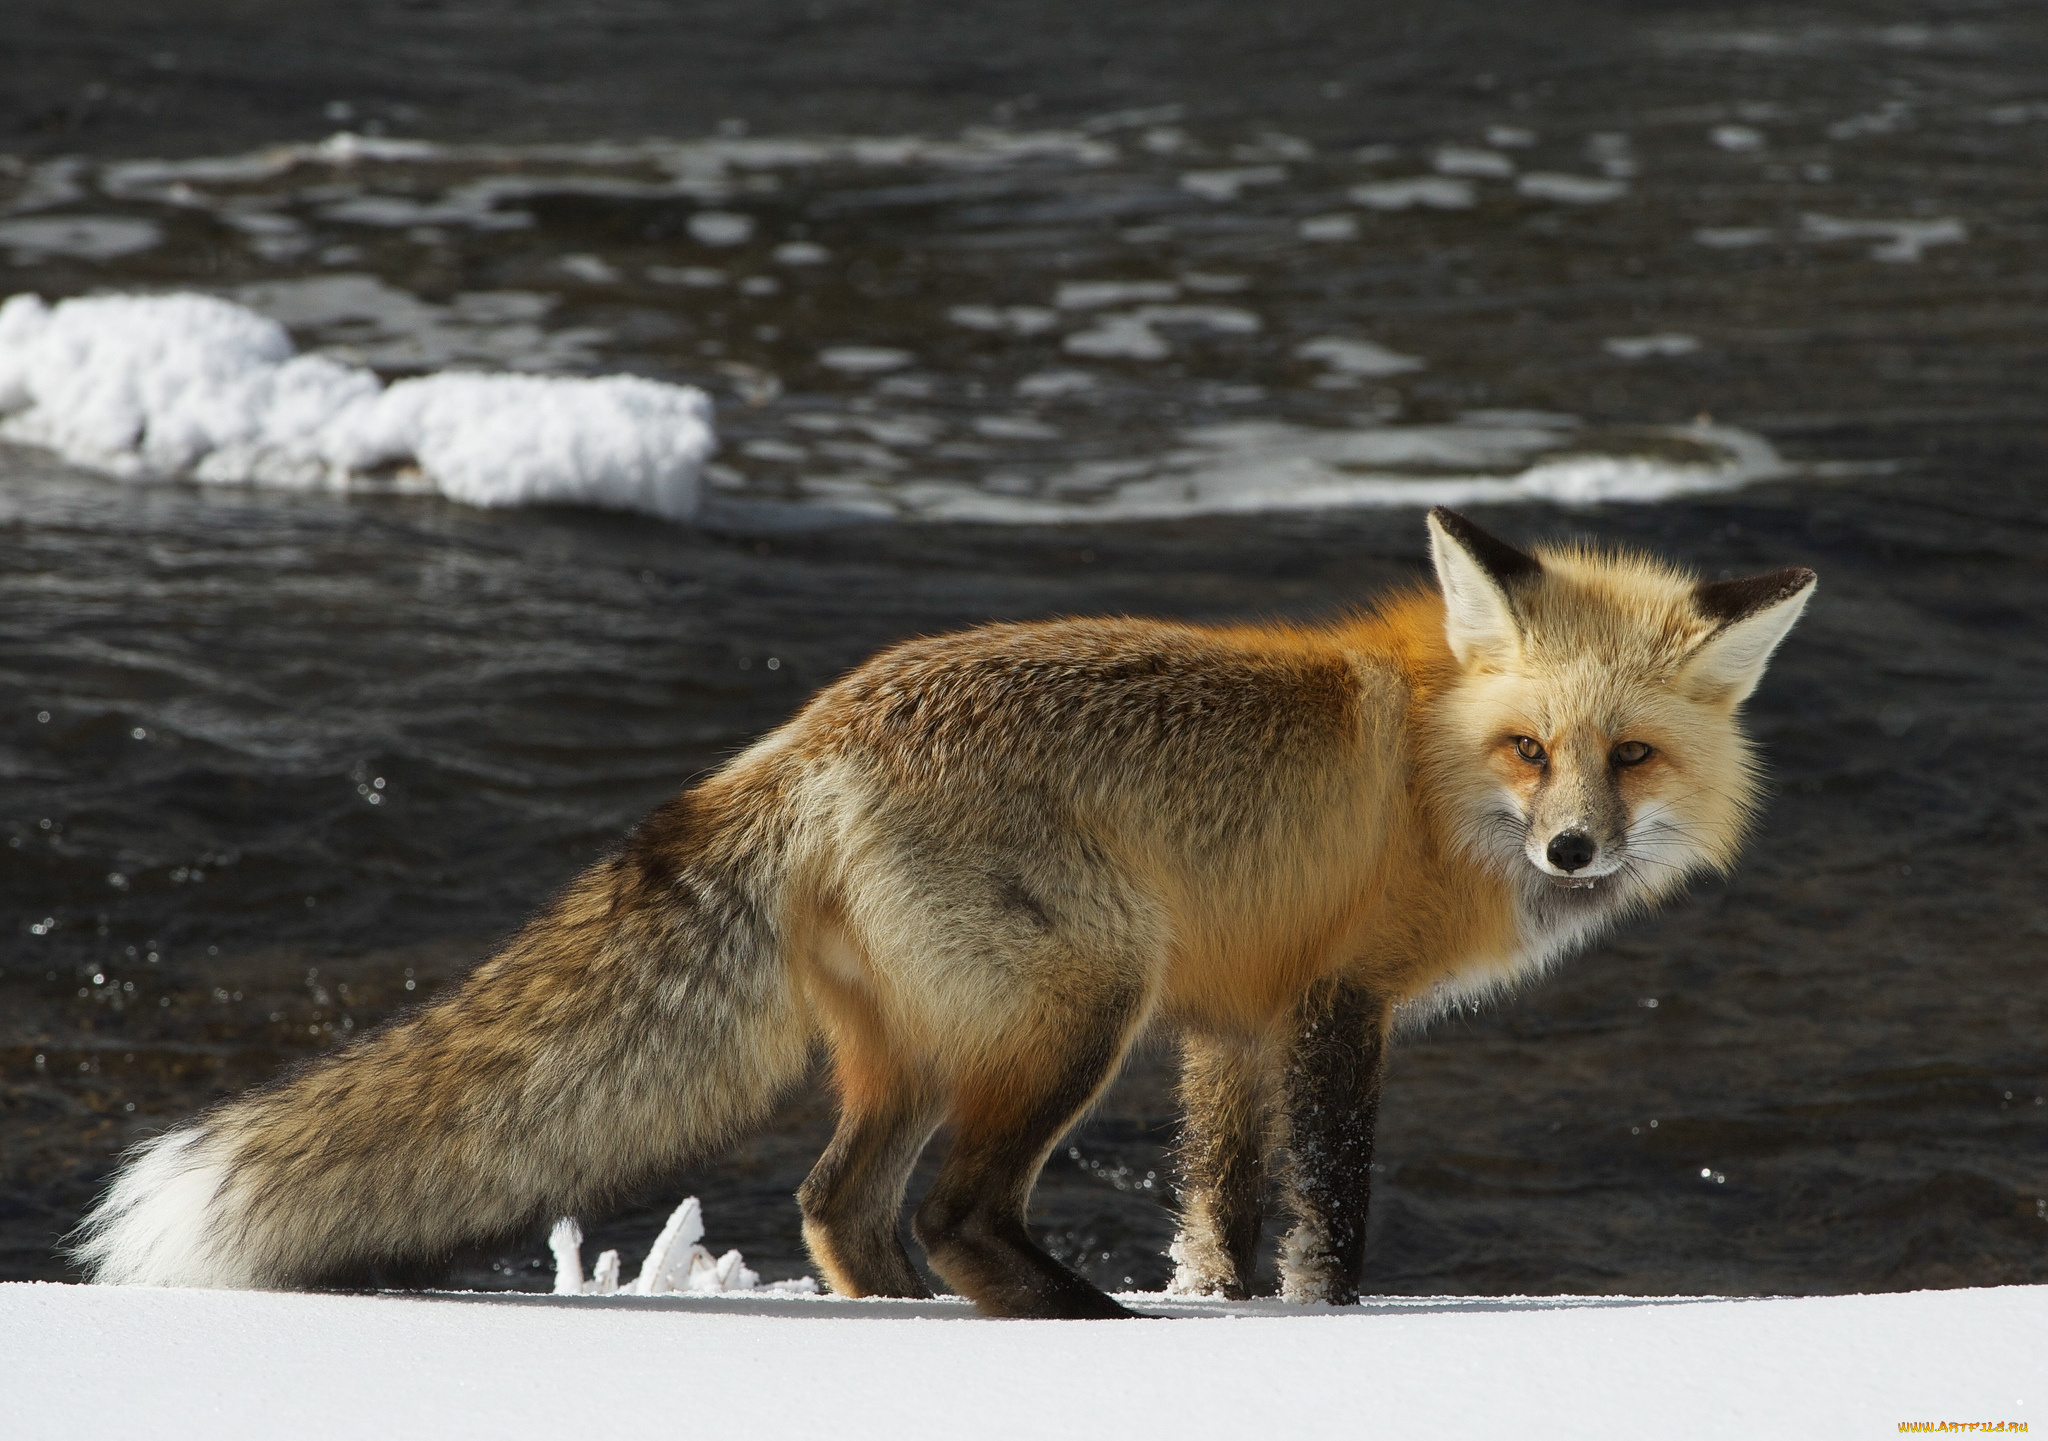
column 677, row 1263
column 195, row 386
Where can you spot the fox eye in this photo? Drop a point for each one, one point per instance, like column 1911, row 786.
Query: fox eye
column 1631, row 753
column 1530, row 751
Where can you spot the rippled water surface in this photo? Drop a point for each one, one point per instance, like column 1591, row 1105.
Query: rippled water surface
column 1177, row 312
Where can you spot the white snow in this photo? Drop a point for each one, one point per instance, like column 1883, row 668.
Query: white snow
column 196, row 386
column 146, row 1362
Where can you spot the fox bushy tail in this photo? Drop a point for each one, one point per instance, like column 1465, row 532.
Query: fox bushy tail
column 642, row 1020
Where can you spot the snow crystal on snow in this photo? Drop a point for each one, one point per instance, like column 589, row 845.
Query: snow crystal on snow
column 677, row 1264
column 195, row 386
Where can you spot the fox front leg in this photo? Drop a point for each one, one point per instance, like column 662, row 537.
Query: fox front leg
column 1226, row 1093
column 1330, row 1102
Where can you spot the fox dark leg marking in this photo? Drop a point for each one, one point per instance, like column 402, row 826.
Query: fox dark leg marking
column 1332, row 1089
column 854, row 1194
column 971, row 1225
column 1226, row 1093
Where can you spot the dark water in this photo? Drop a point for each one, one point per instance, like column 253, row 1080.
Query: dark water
column 303, row 752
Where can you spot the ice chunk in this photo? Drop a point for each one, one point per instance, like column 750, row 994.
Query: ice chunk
column 1356, row 357
column 1094, row 294
column 1732, row 237
column 1229, row 184
column 1328, row 227
column 195, row 386
column 79, row 237
column 1645, row 347
column 721, row 227
column 1051, row 384
column 591, row 269
column 1570, row 189
column 1430, row 192
column 1899, row 240
column 1470, row 160
column 1015, row 319
column 1132, row 335
column 863, row 359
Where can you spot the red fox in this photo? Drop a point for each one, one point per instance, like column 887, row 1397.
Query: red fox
column 975, row 869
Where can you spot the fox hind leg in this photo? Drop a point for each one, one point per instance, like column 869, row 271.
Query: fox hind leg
column 1332, row 1099
column 971, row 1224
column 853, row 1196
column 1226, row 1094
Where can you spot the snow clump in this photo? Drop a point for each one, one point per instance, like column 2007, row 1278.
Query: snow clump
column 152, row 386
column 677, row 1264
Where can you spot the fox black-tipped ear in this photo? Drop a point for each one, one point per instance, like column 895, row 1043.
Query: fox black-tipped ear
column 1477, row 573
column 1751, row 617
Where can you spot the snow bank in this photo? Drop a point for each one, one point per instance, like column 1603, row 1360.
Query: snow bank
column 194, row 386
column 146, row 1362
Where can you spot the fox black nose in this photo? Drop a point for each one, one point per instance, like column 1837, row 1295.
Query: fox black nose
column 1571, row 850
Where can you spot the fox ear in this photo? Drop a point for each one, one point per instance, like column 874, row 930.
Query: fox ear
column 1475, row 571
column 1753, row 615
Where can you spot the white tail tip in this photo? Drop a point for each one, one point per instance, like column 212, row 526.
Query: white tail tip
column 160, row 1222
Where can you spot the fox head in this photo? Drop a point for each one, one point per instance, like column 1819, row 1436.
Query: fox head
column 1593, row 746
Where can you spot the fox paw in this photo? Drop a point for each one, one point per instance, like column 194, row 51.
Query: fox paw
column 1196, row 1271
column 1311, row 1275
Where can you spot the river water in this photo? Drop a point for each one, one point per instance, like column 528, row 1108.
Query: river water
column 1181, row 311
